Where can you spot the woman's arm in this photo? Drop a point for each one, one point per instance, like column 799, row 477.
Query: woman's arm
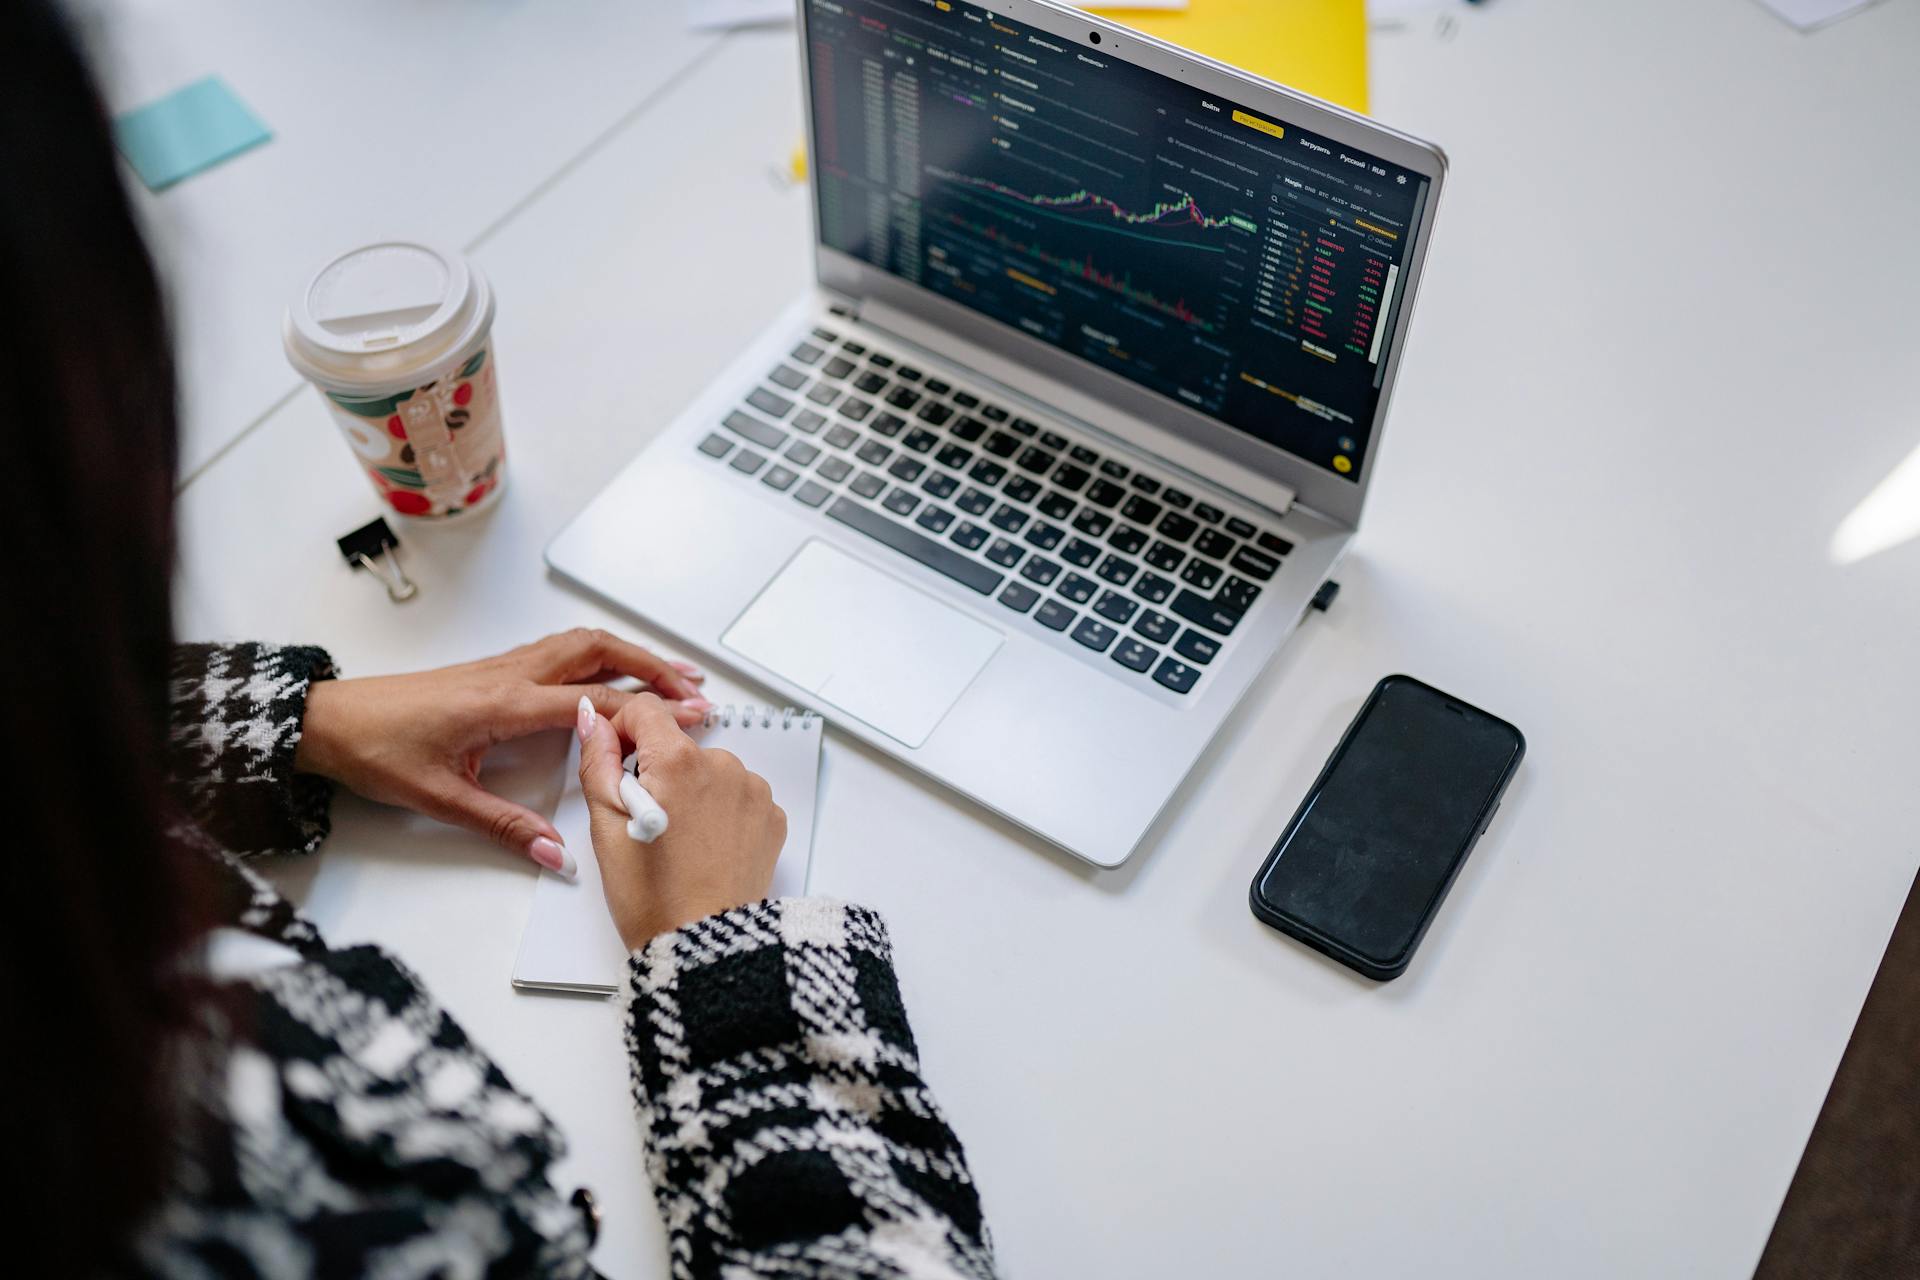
column 789, row 1129
column 237, row 716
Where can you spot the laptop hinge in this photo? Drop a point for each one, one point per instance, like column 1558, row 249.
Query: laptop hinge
column 1079, row 409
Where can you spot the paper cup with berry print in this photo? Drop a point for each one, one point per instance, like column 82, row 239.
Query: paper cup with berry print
column 397, row 338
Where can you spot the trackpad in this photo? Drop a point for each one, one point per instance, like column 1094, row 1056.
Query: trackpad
column 864, row 641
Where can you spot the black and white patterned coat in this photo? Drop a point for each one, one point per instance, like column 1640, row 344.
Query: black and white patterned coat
column 335, row 1121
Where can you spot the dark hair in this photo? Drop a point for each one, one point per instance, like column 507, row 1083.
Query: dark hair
column 101, row 901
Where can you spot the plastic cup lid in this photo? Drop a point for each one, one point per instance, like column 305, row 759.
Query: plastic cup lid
column 384, row 316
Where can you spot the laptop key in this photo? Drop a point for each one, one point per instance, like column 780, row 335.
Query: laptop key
column 968, row 429
column 1095, row 635
column 935, row 518
column 1177, row 675
column 953, row 456
column 1040, row 569
column 1195, row 647
column 715, row 445
column 1005, row 554
column 807, row 353
column 1053, row 440
column 1080, row 552
column 1135, row 656
column 940, row 484
column 937, row 387
column 919, row 440
column 1080, row 453
column 887, row 424
column 854, row 409
column 811, row 493
column 988, row 472
column 1239, row 528
column 1212, row 542
column 1165, row 558
column 1177, row 527
column 1012, row 519
column 867, row 484
column 1157, row 627
column 1118, row 571
column 1114, row 469
column 966, row 399
column 908, row 372
column 1256, row 563
column 774, row 406
column 1019, row 597
column 1036, row 461
column 1101, row 493
column 873, row 453
column 1200, row 574
column 870, row 382
column 838, row 367
column 1045, row 536
column 840, row 435
column 1127, row 539
column 826, row 335
column 903, row 397
column 823, row 393
column 993, row 413
column 884, row 529
column 906, row 469
column 834, row 470
column 880, row 361
column 1077, row 589
column 1021, row 489
column 973, row 502
column 935, row 412
column 787, row 376
column 853, row 348
column 802, row 454
column 745, row 424
column 968, row 534
column 1202, row 612
column 747, row 460
column 1091, row 522
column 900, row 502
column 1001, row 444
column 807, row 421
column 1070, row 477
column 1237, row 593
column 1115, row 608
column 1145, row 484
column 1208, row 512
column 1140, row 510
column 1275, row 543
column 1024, row 427
column 1153, row 588
column 781, row 478
column 1056, row 505
column 1176, row 498
column 1054, row 616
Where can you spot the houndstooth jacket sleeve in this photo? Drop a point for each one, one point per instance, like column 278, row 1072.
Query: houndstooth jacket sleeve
column 237, row 710
column 789, row 1130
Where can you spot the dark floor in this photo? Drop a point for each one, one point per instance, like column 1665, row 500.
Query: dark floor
column 1854, row 1207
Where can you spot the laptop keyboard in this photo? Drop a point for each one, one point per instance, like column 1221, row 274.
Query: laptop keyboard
column 1070, row 538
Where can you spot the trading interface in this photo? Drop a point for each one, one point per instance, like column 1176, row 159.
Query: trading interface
column 1218, row 256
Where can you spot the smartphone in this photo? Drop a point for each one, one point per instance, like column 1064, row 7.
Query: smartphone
column 1363, row 866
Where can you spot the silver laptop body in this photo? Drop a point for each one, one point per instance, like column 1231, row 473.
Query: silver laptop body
column 1077, row 420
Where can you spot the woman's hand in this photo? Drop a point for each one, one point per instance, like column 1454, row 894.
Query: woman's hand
column 417, row 740
column 724, row 832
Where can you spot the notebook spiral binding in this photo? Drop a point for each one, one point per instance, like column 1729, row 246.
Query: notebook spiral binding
column 750, row 714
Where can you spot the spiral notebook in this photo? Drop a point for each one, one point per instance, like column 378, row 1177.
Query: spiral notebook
column 570, row 943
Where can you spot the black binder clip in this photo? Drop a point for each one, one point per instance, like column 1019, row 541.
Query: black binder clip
column 374, row 548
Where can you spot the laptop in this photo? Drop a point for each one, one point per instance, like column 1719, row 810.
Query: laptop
column 1077, row 419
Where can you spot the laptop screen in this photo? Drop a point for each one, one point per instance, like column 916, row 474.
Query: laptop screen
column 1222, row 257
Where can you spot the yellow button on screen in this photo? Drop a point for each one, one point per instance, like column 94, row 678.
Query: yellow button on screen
column 1342, row 463
column 1255, row 122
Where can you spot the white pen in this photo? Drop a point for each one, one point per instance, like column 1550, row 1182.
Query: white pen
column 646, row 820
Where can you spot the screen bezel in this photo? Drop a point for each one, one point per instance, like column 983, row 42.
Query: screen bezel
column 1316, row 487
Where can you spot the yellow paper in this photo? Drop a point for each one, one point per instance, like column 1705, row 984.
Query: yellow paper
column 1315, row 46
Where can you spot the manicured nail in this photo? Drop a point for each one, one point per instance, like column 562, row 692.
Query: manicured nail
column 553, row 856
column 698, row 704
column 587, row 719
column 690, row 671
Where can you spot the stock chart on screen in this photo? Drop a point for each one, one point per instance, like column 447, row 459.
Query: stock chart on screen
column 1219, row 256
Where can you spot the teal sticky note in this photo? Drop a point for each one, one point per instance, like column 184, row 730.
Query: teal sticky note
column 187, row 131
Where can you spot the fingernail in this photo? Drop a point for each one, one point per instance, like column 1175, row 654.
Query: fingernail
column 587, row 720
column 690, row 671
column 553, row 856
column 698, row 704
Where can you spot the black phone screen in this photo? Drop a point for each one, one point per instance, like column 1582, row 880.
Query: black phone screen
column 1367, row 858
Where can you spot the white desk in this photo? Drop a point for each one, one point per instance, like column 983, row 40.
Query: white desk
column 1664, row 350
